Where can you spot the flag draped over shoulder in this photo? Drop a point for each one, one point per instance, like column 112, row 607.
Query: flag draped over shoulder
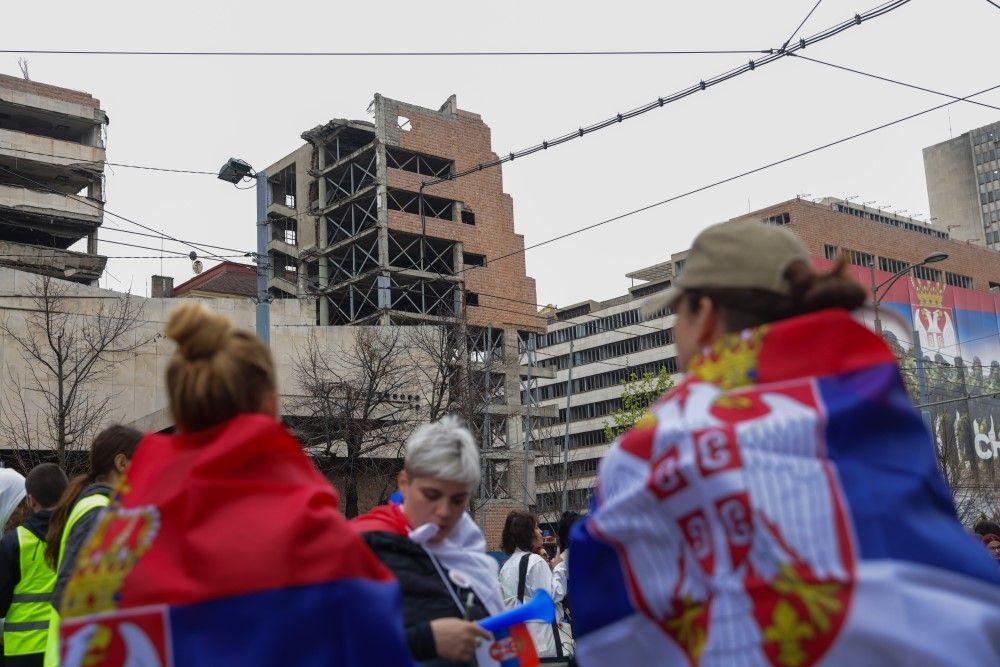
column 226, row 547
column 781, row 506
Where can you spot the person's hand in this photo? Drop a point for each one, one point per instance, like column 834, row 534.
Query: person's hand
column 558, row 559
column 456, row 639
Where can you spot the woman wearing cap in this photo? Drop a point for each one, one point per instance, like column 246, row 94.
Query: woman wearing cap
column 435, row 549
column 747, row 516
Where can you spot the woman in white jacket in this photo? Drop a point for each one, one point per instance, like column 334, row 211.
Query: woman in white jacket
column 525, row 573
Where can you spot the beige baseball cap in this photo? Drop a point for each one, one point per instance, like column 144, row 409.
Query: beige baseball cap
column 737, row 255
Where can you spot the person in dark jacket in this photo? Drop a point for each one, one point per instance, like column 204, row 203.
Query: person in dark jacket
column 435, row 549
column 25, row 578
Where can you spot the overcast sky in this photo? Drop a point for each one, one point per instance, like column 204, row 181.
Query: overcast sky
column 194, row 112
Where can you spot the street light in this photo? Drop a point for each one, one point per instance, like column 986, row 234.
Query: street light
column 234, row 171
column 878, row 293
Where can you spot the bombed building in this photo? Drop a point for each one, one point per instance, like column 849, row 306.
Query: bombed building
column 51, row 179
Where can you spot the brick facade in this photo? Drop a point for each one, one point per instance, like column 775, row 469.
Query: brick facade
column 819, row 225
column 46, row 90
column 462, row 136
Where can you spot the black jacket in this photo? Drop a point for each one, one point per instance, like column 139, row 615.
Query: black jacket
column 425, row 595
column 10, row 555
column 75, row 540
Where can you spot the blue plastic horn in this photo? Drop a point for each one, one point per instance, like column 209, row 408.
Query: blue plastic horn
column 538, row 608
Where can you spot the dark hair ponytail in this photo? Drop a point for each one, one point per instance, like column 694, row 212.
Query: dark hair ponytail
column 812, row 291
column 108, row 444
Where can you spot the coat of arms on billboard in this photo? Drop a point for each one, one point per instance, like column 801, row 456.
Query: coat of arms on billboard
column 933, row 322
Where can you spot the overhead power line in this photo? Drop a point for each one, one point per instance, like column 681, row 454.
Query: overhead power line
column 380, row 54
column 73, row 161
column 993, row 3
column 802, row 23
column 86, row 202
column 894, row 81
column 704, row 84
column 734, row 177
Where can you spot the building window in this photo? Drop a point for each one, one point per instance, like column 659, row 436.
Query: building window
column 927, row 273
column 471, row 298
column 831, row 251
column 468, row 217
column 473, row 259
column 891, row 265
column 679, row 267
column 958, row 280
column 780, row 219
column 861, row 258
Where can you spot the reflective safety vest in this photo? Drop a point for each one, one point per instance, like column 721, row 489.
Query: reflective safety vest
column 82, row 506
column 26, row 628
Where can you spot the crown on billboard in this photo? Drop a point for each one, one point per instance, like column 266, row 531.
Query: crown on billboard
column 929, row 293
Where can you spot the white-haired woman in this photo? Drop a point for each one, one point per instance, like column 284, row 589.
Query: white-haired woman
column 434, row 548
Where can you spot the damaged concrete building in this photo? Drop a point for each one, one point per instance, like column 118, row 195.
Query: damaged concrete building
column 51, row 179
column 356, row 225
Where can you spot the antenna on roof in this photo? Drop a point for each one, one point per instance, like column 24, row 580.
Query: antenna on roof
column 23, row 64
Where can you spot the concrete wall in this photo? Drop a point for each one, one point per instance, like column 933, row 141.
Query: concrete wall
column 951, row 188
column 37, row 201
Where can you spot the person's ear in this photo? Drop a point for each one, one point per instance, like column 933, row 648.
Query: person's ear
column 269, row 404
column 121, row 462
column 402, row 480
column 707, row 322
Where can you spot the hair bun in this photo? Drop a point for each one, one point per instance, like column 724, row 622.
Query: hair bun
column 198, row 332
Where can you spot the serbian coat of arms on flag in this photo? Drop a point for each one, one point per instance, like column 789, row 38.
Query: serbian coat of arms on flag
column 781, row 506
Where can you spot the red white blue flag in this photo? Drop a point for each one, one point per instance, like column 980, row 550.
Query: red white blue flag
column 226, row 548
column 782, row 506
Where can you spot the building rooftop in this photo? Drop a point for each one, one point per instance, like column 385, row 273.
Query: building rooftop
column 228, row 278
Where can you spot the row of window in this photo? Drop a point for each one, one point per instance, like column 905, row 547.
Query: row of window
column 988, row 175
column 576, row 440
column 779, row 219
column 577, row 500
column 987, row 197
column 887, row 220
column 895, row 266
column 992, row 237
column 646, row 290
column 584, row 468
column 986, row 156
column 591, row 410
column 585, row 329
column 984, row 136
column 616, row 349
column 603, row 380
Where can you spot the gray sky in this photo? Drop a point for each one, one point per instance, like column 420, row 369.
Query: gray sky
column 194, row 112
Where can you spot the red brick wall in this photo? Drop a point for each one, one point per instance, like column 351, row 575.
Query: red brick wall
column 491, row 518
column 817, row 225
column 466, row 140
column 44, row 89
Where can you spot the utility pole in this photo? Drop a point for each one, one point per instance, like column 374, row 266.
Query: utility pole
column 569, row 418
column 875, row 297
column 527, row 414
column 262, row 260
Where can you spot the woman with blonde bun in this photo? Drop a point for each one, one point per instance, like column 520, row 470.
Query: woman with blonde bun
column 225, row 545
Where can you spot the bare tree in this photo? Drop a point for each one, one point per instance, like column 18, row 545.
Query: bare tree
column 461, row 373
column 58, row 404
column 356, row 406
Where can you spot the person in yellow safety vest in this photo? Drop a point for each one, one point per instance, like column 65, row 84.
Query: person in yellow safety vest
column 78, row 511
column 26, row 579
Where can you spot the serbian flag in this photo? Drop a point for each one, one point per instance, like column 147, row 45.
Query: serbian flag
column 782, row 506
column 513, row 648
column 226, row 548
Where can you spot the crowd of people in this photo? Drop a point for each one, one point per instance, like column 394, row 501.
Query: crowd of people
column 221, row 544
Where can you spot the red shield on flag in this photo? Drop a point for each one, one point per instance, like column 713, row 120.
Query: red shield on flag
column 138, row 636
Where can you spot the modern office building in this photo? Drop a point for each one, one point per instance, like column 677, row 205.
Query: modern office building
column 963, row 185
column 51, row 179
column 947, row 304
